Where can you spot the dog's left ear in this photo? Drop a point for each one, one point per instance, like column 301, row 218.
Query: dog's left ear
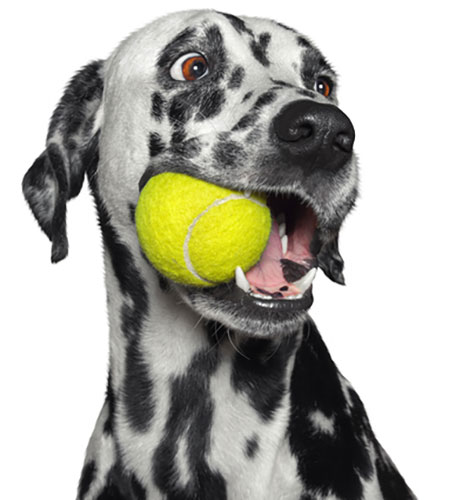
column 58, row 173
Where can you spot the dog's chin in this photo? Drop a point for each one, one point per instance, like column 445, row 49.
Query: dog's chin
column 246, row 313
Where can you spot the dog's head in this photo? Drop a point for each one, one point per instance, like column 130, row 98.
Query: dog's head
column 244, row 103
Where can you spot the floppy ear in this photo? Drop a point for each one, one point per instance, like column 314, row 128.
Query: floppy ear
column 58, row 173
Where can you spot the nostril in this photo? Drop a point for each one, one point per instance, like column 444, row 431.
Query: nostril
column 344, row 142
column 299, row 131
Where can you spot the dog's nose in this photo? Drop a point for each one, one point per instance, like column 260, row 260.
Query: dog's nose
column 315, row 134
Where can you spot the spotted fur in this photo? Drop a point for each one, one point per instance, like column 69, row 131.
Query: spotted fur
column 208, row 397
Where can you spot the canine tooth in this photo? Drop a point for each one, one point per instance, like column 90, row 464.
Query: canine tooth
column 247, row 194
column 282, row 229
column 304, row 283
column 241, row 280
column 284, row 241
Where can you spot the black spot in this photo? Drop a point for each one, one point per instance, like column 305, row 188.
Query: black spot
column 178, row 111
column 132, row 210
column 138, row 388
column 246, row 121
column 259, row 48
column 236, row 78
column 189, row 148
column 178, row 136
column 211, row 105
column 216, row 332
column 117, row 485
column 157, row 105
column 228, row 153
column 303, row 42
column 260, row 372
column 110, row 402
column 328, row 463
column 306, row 93
column 237, row 23
column 138, row 490
column 156, row 145
column 284, row 26
column 247, row 96
column 216, row 52
column 251, row 446
column 190, row 412
column 281, row 83
column 163, row 283
column 265, row 98
column 87, row 476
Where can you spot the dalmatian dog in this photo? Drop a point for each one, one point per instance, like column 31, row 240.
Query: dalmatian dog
column 225, row 392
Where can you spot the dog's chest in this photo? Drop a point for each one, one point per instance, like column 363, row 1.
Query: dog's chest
column 249, row 444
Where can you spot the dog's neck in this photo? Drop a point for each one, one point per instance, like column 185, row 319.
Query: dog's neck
column 175, row 376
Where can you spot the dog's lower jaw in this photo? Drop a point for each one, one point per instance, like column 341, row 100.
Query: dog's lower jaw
column 239, row 311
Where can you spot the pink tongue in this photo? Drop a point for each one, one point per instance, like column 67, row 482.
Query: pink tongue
column 267, row 274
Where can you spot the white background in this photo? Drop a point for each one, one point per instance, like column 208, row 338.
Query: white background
column 390, row 330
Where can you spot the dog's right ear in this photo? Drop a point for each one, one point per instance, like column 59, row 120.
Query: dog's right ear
column 58, row 173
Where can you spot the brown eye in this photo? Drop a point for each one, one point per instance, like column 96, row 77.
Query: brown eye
column 324, row 86
column 189, row 67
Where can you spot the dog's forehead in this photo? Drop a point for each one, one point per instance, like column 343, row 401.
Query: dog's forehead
column 249, row 40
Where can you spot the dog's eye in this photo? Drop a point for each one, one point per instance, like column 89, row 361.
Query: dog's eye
column 189, row 67
column 324, row 86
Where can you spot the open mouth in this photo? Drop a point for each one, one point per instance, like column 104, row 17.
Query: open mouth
column 287, row 267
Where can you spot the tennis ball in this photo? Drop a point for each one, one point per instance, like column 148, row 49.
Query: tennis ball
column 196, row 233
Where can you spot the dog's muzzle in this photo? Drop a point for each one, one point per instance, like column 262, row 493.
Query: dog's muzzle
column 314, row 135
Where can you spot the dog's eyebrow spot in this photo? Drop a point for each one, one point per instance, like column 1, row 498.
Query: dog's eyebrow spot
column 175, row 46
column 157, row 105
column 211, row 105
column 228, row 153
column 236, row 78
column 156, row 145
column 260, row 47
column 251, row 446
column 314, row 63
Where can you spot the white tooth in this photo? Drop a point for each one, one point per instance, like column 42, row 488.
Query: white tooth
column 247, row 194
column 282, row 229
column 304, row 283
column 284, row 241
column 241, row 280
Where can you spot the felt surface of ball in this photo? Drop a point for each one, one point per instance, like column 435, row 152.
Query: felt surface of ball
column 196, row 233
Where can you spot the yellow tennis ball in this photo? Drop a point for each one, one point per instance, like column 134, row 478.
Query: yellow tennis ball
column 196, row 233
